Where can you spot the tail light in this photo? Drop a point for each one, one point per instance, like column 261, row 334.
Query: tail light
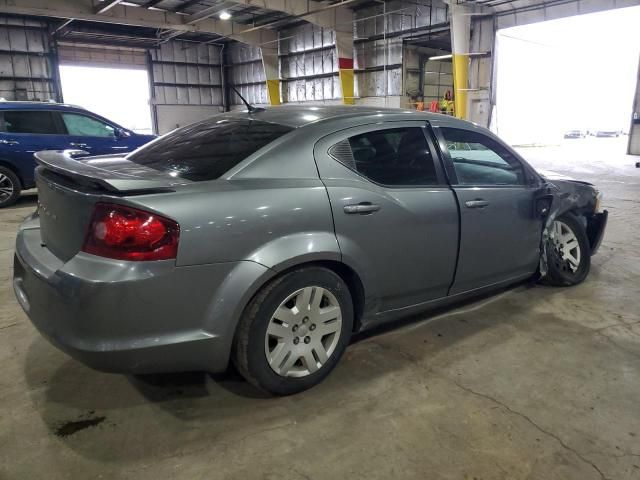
column 126, row 233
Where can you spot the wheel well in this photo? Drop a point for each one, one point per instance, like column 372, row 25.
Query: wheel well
column 349, row 276
column 9, row 166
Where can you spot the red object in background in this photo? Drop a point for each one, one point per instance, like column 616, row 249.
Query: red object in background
column 345, row 63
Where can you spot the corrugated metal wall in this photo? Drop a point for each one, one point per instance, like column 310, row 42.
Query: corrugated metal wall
column 101, row 55
column 26, row 61
column 379, row 43
column 246, row 73
column 308, row 64
column 187, row 74
column 186, row 83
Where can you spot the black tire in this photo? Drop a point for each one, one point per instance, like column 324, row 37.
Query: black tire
column 9, row 179
column 560, row 273
column 249, row 354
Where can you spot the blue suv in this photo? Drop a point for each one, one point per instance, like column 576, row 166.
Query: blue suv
column 28, row 127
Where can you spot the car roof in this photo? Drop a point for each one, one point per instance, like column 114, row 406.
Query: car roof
column 301, row 115
column 12, row 105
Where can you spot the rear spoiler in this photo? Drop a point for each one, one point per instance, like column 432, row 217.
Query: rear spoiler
column 75, row 165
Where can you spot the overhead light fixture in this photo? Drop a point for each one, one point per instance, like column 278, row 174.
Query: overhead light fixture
column 225, row 15
column 441, row 57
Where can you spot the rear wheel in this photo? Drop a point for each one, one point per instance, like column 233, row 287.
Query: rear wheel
column 9, row 187
column 294, row 331
column 568, row 252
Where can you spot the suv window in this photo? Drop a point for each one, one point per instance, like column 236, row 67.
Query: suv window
column 207, row 149
column 480, row 160
column 82, row 125
column 30, row 121
column 397, row 156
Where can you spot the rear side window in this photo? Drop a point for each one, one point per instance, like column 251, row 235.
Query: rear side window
column 208, row 149
column 30, row 121
column 393, row 157
column 84, row 126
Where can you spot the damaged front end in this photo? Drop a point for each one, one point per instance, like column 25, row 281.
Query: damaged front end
column 560, row 196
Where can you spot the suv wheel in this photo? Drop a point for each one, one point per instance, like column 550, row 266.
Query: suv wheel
column 294, row 331
column 9, row 187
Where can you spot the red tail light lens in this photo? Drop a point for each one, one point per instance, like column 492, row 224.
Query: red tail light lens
column 126, row 233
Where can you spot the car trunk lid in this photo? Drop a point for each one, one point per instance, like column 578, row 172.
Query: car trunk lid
column 69, row 186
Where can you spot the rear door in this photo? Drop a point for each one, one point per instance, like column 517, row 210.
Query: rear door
column 92, row 134
column 500, row 230
column 395, row 218
column 24, row 132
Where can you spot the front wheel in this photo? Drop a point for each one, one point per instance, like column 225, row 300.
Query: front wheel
column 9, row 187
column 294, row 331
column 568, row 252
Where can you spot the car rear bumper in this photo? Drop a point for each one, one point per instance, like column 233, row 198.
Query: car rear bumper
column 137, row 317
column 596, row 226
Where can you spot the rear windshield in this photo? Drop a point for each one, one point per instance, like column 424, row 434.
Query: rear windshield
column 208, row 149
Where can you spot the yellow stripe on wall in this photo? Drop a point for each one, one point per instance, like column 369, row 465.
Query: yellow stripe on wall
column 460, row 84
column 273, row 91
column 346, row 82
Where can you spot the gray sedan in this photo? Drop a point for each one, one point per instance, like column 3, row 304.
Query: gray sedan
column 269, row 237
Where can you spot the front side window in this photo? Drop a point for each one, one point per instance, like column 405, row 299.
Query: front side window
column 84, row 126
column 206, row 150
column 393, row 157
column 30, row 121
column 480, row 160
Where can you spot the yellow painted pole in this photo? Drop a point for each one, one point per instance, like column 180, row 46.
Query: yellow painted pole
column 460, row 36
column 273, row 91
column 344, row 49
column 460, row 84
column 270, row 64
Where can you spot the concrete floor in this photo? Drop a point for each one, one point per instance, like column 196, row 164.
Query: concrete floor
column 536, row 382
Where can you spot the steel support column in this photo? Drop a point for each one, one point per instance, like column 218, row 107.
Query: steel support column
column 271, row 72
column 460, row 34
column 344, row 49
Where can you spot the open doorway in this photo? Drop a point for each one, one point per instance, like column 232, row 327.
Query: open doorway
column 118, row 94
column 571, row 79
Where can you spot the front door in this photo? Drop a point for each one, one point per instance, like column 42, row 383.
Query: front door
column 92, row 135
column 500, row 230
column 396, row 219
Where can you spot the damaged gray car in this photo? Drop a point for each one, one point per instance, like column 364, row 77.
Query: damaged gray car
column 268, row 237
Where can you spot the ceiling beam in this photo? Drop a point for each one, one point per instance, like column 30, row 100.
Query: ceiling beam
column 187, row 4
column 335, row 16
column 106, row 5
column 135, row 16
column 151, row 3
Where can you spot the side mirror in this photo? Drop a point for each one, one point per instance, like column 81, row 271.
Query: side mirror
column 542, row 205
column 122, row 133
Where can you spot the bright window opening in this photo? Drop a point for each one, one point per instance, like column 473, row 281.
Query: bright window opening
column 118, row 94
column 575, row 74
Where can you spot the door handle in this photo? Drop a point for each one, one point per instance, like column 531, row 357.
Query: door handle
column 9, row 142
column 363, row 208
column 477, row 203
column 79, row 145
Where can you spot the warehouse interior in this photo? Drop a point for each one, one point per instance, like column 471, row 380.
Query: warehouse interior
column 534, row 382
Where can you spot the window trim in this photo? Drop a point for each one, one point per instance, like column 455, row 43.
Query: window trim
column 531, row 177
column 366, row 128
column 57, row 120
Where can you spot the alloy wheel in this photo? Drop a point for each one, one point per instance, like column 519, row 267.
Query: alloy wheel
column 6, row 188
column 303, row 332
column 566, row 246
